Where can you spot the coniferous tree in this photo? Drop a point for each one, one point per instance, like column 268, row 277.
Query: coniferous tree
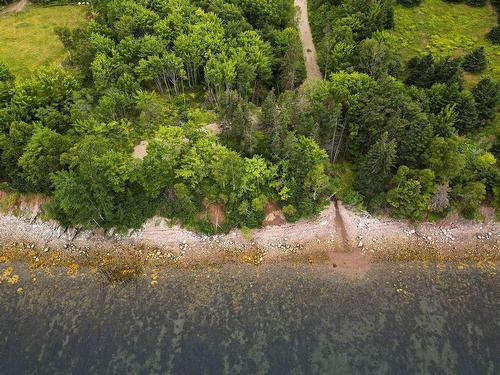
column 389, row 21
column 494, row 35
column 375, row 171
column 443, row 123
column 6, row 83
column 487, row 96
column 467, row 117
column 410, row 3
column 273, row 130
column 475, row 61
column 422, row 71
column 476, row 3
column 449, row 70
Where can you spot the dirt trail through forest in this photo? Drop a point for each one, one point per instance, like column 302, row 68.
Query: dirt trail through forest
column 312, row 67
column 15, row 7
column 313, row 72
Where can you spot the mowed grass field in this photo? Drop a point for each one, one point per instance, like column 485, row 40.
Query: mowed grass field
column 27, row 39
column 446, row 29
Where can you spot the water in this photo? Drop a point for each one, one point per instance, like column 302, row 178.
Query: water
column 273, row 319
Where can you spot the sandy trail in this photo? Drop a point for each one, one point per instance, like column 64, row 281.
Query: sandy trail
column 312, row 67
column 15, row 7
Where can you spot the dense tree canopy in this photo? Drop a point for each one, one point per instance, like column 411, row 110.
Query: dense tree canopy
column 409, row 144
column 214, row 91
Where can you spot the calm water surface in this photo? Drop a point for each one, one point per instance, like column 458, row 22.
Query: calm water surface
column 274, row 319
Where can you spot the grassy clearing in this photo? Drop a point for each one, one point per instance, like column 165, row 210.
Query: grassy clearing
column 28, row 39
column 446, row 29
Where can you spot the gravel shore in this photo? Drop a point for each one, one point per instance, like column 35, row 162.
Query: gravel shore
column 342, row 237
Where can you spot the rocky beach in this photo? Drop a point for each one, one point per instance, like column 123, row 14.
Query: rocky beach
column 348, row 240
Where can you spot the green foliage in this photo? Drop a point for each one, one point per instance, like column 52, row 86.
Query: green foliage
column 376, row 169
column 292, row 70
column 28, row 38
column 496, row 199
column 476, row 3
column 290, row 213
column 101, row 190
column 160, row 72
column 410, row 3
column 374, row 58
column 443, row 123
column 12, row 146
column 6, row 84
column 467, row 116
column 475, row 61
column 343, row 185
column 446, row 29
column 8, row 202
column 486, row 97
column 425, row 71
column 168, row 46
column 5, row 74
column 388, row 107
column 163, row 157
column 445, row 158
column 337, row 50
column 41, row 157
column 468, row 198
column 46, row 97
column 410, row 193
column 494, row 35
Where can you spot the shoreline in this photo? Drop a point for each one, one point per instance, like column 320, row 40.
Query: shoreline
column 319, row 241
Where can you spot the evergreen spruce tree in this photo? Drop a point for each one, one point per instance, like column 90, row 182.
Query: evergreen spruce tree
column 268, row 116
column 494, row 35
column 376, row 169
column 475, row 61
column 467, row 117
column 487, row 96
column 410, row 3
column 476, row 3
column 389, row 20
column 6, row 83
column 422, row 71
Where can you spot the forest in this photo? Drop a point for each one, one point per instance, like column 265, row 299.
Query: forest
column 217, row 91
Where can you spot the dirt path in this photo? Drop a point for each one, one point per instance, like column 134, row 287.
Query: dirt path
column 312, row 67
column 343, row 252
column 15, row 7
column 340, row 230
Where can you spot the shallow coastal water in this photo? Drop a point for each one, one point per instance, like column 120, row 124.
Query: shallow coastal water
column 423, row 318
